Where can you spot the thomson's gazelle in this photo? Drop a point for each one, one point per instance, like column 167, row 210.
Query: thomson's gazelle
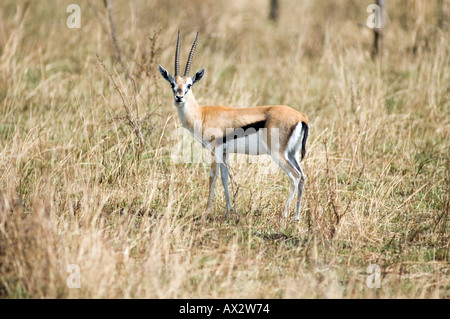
column 277, row 130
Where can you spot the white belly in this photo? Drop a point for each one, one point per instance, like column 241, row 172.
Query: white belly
column 251, row 144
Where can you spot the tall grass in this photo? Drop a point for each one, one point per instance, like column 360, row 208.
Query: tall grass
column 86, row 175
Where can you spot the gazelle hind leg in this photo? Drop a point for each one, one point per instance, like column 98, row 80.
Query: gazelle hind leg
column 294, row 177
column 292, row 156
column 300, row 189
column 299, row 197
column 294, row 184
column 289, row 168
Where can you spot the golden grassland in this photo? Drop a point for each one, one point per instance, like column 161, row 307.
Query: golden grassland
column 87, row 178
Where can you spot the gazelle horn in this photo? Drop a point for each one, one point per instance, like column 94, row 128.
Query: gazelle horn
column 177, row 56
column 191, row 56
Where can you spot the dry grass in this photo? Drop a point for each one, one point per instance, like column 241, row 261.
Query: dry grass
column 80, row 187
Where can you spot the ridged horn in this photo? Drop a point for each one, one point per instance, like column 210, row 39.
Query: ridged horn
column 191, row 56
column 177, row 56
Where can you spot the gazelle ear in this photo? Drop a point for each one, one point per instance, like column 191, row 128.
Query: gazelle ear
column 198, row 76
column 165, row 74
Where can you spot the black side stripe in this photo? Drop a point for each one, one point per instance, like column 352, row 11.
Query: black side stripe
column 243, row 131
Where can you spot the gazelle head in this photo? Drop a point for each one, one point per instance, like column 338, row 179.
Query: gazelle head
column 181, row 85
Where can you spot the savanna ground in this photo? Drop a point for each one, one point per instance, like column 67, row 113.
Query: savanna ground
column 87, row 176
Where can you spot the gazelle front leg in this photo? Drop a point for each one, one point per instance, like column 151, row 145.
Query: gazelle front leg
column 224, row 177
column 212, row 183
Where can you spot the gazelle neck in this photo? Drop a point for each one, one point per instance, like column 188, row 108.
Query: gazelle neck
column 187, row 111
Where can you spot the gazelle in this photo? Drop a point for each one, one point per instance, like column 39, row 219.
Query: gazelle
column 277, row 130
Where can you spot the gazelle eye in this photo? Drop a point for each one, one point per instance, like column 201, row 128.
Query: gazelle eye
column 189, row 86
column 172, row 85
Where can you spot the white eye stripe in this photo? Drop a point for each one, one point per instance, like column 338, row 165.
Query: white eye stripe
column 185, row 87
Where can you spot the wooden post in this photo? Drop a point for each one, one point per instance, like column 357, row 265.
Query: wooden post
column 443, row 14
column 379, row 29
column 274, row 6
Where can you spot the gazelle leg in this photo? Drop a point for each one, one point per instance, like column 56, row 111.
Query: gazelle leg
column 294, row 184
column 300, row 192
column 212, row 183
column 224, row 177
column 294, row 177
column 294, row 164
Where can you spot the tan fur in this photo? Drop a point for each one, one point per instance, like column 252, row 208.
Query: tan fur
column 276, row 116
column 221, row 118
column 180, row 81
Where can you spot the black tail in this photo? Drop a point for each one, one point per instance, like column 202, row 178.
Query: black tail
column 305, row 129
